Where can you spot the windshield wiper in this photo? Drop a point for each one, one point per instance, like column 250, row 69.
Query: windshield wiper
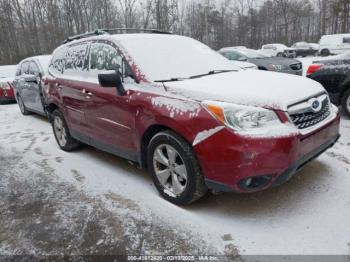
column 213, row 72
column 171, row 80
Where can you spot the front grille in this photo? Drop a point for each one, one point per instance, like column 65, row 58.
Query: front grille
column 309, row 119
column 297, row 66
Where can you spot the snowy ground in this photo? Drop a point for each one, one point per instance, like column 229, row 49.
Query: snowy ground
column 89, row 202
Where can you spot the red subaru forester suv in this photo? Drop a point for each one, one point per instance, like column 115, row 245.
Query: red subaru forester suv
column 184, row 112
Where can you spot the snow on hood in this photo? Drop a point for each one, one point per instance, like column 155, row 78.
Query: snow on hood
column 255, row 88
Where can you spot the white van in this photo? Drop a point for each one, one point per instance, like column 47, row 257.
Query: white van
column 334, row 44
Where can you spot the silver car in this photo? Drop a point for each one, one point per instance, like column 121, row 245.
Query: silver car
column 27, row 84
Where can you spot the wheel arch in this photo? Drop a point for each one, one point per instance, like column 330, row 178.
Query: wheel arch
column 147, row 136
column 50, row 108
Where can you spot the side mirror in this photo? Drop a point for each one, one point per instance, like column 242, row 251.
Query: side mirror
column 109, row 80
column 31, row 79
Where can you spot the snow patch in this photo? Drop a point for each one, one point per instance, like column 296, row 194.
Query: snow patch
column 206, row 134
column 177, row 107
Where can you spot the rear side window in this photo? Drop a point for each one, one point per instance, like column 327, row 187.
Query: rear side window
column 58, row 61
column 76, row 59
column 104, row 57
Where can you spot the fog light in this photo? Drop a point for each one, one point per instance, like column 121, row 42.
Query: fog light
column 255, row 183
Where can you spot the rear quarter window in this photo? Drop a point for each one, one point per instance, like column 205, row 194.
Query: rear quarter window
column 58, row 61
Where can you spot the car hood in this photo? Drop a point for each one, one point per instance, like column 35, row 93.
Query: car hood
column 254, row 88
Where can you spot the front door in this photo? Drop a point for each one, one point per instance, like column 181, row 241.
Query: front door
column 111, row 117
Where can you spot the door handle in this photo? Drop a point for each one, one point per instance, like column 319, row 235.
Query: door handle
column 86, row 93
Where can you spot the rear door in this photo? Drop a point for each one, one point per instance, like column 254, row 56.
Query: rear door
column 72, row 90
column 111, row 117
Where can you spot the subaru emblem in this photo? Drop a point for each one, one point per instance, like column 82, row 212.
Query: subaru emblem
column 315, row 105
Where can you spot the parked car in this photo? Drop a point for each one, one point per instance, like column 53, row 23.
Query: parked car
column 279, row 50
column 334, row 44
column 28, row 84
column 305, row 49
column 264, row 62
column 187, row 114
column 7, row 74
column 334, row 75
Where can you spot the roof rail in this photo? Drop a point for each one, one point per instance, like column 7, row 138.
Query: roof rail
column 80, row 36
column 108, row 30
column 128, row 30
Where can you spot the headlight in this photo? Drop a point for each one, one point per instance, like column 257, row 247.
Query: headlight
column 242, row 118
column 274, row 67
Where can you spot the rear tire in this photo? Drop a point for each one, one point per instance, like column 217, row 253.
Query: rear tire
column 60, row 129
column 280, row 54
column 22, row 107
column 174, row 168
column 346, row 102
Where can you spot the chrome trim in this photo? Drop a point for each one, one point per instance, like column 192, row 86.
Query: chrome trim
column 334, row 111
column 306, row 107
column 114, row 123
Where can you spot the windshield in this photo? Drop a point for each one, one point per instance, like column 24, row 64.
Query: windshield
column 253, row 54
column 7, row 71
column 164, row 57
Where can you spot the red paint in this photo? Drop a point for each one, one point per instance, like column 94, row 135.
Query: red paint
column 313, row 68
column 7, row 93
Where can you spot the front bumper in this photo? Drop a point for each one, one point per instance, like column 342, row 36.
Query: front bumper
column 228, row 160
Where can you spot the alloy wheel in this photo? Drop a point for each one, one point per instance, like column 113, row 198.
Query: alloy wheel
column 60, row 131
column 170, row 169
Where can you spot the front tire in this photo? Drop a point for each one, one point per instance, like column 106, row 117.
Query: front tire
column 280, row 55
column 346, row 102
column 174, row 168
column 60, row 129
